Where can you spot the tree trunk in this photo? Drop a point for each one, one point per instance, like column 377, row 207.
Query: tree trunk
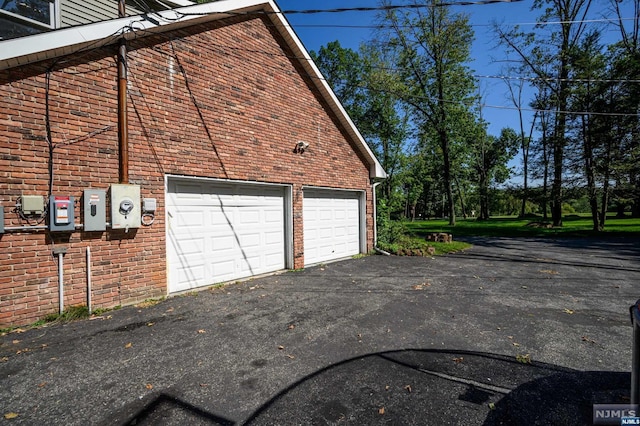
column 589, row 171
column 461, row 197
column 545, row 172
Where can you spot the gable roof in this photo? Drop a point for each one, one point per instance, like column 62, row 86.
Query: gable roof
column 30, row 49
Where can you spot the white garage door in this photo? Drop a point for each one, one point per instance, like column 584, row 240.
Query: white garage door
column 222, row 231
column 331, row 225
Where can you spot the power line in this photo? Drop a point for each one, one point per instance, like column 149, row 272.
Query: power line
column 240, row 51
column 552, row 79
column 513, row 24
column 384, row 8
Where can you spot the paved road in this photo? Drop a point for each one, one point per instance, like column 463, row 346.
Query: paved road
column 508, row 332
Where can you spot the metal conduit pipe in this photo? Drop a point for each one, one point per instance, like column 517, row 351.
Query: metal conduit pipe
column 89, row 279
column 60, row 251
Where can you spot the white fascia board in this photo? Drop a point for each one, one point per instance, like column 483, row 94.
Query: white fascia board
column 376, row 170
column 25, row 50
column 180, row 3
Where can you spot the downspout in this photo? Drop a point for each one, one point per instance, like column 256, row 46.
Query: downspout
column 375, row 222
column 123, row 133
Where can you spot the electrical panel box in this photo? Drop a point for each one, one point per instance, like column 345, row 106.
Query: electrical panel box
column 1, row 219
column 125, row 206
column 95, row 210
column 61, row 213
column 32, row 204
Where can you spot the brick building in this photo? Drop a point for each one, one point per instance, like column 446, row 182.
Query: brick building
column 238, row 160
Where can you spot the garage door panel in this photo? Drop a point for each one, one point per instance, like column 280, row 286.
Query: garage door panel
column 239, row 224
column 190, row 219
column 249, row 217
column 188, row 274
column 273, row 238
column 222, row 243
column 223, row 269
column 249, row 241
column 331, row 225
column 193, row 246
column 273, row 216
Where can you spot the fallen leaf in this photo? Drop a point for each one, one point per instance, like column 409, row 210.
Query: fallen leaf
column 41, row 385
column 15, row 342
column 524, row 287
column 150, row 324
column 149, row 386
column 291, row 326
column 516, row 344
column 381, row 411
column 10, row 416
column 386, row 387
column 204, row 385
column 586, row 339
column 524, row 359
column 290, row 356
column 568, row 311
column 4, row 359
column 549, row 271
column 201, row 331
column 19, row 330
column 492, row 406
column 458, row 360
column 408, row 388
column 280, row 347
column 128, row 345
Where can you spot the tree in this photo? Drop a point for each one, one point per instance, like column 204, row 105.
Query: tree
column 551, row 51
column 490, row 155
column 588, row 70
column 364, row 86
column 515, row 93
column 432, row 49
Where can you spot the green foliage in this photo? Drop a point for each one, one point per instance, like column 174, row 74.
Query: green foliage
column 389, row 231
column 531, row 226
column 69, row 314
column 408, row 245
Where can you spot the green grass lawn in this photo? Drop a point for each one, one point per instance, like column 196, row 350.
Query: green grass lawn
column 572, row 226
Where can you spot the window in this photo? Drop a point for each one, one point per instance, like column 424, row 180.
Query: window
column 24, row 17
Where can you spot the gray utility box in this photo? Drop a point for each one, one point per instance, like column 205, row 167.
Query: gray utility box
column 95, row 210
column 1, row 219
column 125, row 206
column 61, row 213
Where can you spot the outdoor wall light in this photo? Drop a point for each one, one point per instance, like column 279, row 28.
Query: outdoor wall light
column 300, row 147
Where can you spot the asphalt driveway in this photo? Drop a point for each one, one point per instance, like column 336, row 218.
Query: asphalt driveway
column 511, row 331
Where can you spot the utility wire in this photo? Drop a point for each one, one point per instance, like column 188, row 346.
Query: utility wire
column 228, row 50
column 364, row 8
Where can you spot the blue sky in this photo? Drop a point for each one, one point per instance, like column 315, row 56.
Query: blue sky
column 316, row 30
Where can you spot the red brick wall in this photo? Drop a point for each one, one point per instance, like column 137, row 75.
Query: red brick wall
column 254, row 104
